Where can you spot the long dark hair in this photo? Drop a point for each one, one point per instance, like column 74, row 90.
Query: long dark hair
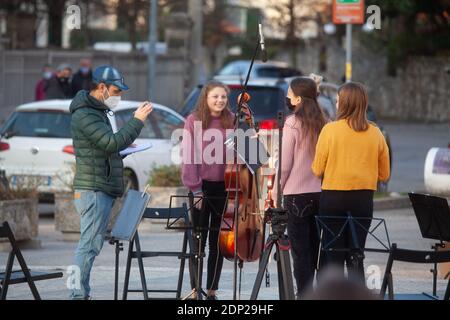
column 202, row 110
column 308, row 112
column 353, row 101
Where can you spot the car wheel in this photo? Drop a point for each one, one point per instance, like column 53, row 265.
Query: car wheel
column 130, row 180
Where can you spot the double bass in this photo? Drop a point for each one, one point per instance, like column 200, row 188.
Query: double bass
column 240, row 183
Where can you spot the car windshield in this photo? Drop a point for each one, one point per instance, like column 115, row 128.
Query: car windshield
column 277, row 72
column 51, row 124
column 265, row 101
column 159, row 124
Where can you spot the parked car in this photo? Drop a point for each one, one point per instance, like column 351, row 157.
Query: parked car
column 275, row 69
column 36, row 142
column 268, row 97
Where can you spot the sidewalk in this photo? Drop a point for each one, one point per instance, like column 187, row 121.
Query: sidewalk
column 56, row 254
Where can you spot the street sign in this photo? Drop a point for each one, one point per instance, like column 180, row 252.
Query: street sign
column 348, row 11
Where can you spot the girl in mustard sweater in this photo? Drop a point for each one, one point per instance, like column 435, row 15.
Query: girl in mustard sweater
column 351, row 156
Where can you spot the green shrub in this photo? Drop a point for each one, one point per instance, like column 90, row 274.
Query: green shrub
column 165, row 176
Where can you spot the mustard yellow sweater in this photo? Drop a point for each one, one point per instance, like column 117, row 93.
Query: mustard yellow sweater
column 351, row 160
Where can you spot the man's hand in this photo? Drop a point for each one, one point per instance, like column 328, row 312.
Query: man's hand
column 143, row 111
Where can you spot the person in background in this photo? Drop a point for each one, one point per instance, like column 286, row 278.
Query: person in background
column 82, row 79
column 58, row 86
column 351, row 157
column 39, row 92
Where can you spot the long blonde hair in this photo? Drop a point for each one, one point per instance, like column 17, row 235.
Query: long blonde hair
column 353, row 102
column 202, row 110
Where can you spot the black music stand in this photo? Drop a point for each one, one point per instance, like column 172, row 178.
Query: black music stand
column 433, row 217
column 126, row 225
column 172, row 215
column 347, row 230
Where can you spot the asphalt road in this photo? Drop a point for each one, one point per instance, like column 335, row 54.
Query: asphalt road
column 56, row 254
column 410, row 143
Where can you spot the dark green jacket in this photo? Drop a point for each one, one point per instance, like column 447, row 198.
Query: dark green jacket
column 98, row 163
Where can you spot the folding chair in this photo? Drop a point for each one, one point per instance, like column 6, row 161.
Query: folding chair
column 412, row 256
column 11, row 276
column 139, row 254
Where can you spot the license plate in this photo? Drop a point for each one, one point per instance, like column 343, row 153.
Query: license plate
column 30, row 181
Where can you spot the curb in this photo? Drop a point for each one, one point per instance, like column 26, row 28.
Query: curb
column 391, row 203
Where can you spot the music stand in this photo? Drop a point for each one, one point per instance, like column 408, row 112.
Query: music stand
column 125, row 227
column 347, row 227
column 433, row 217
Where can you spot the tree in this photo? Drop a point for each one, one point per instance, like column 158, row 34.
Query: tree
column 16, row 11
column 293, row 16
column 412, row 27
column 55, row 10
column 213, row 26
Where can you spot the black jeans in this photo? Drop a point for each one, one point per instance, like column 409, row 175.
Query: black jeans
column 359, row 203
column 303, row 236
column 208, row 220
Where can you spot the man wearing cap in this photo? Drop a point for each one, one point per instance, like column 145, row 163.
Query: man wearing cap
column 99, row 168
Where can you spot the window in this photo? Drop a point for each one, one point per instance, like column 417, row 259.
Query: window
column 166, row 121
column 50, row 124
column 159, row 125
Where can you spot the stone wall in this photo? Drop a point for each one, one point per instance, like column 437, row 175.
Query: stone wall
column 420, row 91
column 22, row 216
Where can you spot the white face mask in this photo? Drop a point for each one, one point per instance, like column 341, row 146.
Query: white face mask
column 47, row 75
column 112, row 101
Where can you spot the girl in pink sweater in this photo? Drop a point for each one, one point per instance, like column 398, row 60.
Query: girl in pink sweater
column 203, row 171
column 300, row 187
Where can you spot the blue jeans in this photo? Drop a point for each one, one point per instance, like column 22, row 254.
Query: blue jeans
column 94, row 207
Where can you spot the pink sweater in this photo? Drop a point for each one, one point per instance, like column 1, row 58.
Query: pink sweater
column 194, row 169
column 296, row 174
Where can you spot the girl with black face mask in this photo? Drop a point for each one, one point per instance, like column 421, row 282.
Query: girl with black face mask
column 290, row 106
column 300, row 187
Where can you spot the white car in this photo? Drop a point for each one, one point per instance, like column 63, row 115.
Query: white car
column 36, row 144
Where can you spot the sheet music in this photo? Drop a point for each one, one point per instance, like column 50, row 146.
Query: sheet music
column 137, row 148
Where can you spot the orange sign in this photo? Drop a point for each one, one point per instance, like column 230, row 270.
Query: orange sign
column 348, row 11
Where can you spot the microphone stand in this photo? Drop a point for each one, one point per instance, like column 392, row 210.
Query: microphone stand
column 237, row 120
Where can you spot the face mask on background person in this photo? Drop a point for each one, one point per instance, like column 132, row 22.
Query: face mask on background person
column 289, row 104
column 47, row 75
column 63, row 79
column 84, row 70
column 112, row 101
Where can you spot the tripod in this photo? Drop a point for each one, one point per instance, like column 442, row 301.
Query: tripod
column 280, row 240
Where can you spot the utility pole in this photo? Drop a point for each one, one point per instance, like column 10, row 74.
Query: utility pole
column 348, row 52
column 195, row 10
column 348, row 12
column 152, row 39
